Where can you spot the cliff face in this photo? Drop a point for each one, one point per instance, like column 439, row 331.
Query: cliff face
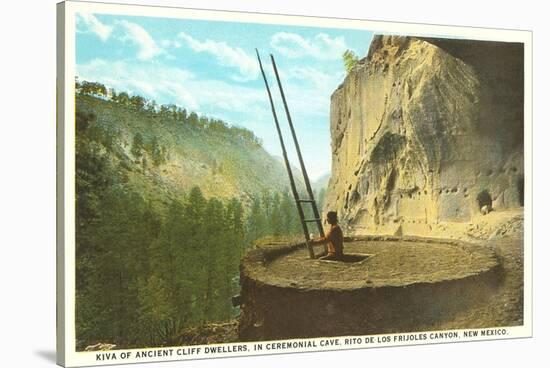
column 426, row 131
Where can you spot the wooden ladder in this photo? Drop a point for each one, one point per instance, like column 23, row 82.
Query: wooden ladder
column 299, row 201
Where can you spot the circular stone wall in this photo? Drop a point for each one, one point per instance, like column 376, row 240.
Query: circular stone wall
column 393, row 285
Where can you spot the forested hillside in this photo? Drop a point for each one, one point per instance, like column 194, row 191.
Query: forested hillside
column 167, row 202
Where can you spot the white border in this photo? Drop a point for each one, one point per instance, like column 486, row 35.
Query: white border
column 66, row 154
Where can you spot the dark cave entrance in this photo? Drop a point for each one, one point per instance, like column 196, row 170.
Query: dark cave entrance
column 484, row 199
column 520, row 186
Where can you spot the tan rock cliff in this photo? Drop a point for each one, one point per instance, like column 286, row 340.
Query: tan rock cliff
column 427, row 131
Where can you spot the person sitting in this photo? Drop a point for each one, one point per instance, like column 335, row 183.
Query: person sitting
column 334, row 239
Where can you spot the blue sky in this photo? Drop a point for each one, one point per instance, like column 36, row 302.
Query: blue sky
column 210, row 67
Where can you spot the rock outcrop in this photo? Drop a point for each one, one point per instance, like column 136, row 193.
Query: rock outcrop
column 426, row 131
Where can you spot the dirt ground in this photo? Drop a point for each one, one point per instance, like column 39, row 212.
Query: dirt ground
column 503, row 232
column 505, row 308
column 388, row 263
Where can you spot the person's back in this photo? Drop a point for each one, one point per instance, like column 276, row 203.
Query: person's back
column 335, row 242
column 334, row 238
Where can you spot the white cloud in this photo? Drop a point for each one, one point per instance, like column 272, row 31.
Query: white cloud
column 93, row 25
column 308, row 90
column 169, row 43
column 321, row 81
column 322, row 46
column 225, row 55
column 132, row 32
column 181, row 94
column 229, row 97
column 166, row 85
column 136, row 34
column 174, row 85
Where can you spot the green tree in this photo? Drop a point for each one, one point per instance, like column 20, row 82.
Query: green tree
column 137, row 146
column 256, row 223
column 193, row 119
column 137, row 102
column 122, row 232
column 214, row 242
column 182, row 115
column 289, row 214
column 350, row 59
column 123, row 98
column 275, row 216
column 157, row 152
column 231, row 253
column 151, row 106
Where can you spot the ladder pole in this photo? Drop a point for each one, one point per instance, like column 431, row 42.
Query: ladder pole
column 287, row 164
column 298, row 151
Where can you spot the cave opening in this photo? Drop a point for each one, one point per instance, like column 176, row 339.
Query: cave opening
column 520, row 186
column 484, row 199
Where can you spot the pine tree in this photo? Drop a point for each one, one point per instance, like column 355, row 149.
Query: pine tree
column 256, row 224
column 194, row 223
column 215, row 228
column 234, row 249
column 137, row 146
column 276, row 218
